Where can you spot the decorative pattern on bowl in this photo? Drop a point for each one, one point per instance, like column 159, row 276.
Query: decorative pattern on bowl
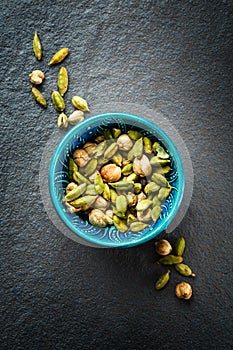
column 59, row 178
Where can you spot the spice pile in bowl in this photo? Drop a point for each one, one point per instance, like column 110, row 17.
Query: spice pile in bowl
column 119, row 179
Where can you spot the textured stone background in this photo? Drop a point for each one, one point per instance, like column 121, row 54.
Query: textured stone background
column 174, row 56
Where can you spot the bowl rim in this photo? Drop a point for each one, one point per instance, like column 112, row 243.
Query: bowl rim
column 83, row 127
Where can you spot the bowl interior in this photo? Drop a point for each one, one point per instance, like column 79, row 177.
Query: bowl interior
column 59, row 178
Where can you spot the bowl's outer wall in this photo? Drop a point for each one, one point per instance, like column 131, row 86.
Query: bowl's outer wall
column 58, row 178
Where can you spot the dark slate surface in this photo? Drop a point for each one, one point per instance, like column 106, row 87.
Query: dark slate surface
column 172, row 56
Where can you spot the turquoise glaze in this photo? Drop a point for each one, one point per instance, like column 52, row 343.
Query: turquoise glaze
column 58, row 179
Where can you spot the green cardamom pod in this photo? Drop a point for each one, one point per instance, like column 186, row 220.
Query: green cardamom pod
column 113, row 195
column 58, row 101
column 151, row 187
column 90, row 167
column 121, row 203
column 156, row 161
column 161, row 153
column 163, row 193
column 184, row 270
column 37, row 48
column 163, row 169
column 119, row 214
column 134, row 134
column 59, row 56
column 39, row 98
column 150, row 197
column 62, row 121
column 79, row 103
column 179, row 246
column 127, row 169
column 72, row 167
column 147, row 145
column 155, row 213
column 71, row 186
column 80, row 178
column 132, row 177
column 137, row 226
column 156, row 201
column 137, row 187
column 102, row 160
column 75, row 177
column 170, row 260
column 137, row 150
column 131, row 218
column 99, row 185
column 122, row 185
column 99, row 138
column 98, row 151
column 116, row 132
column 131, row 155
column 154, row 146
column 159, row 150
column 143, row 204
column 106, row 192
column 75, row 193
column 117, row 159
column 108, row 134
column 111, row 150
column 119, row 224
column 90, row 190
column 62, row 81
column 160, row 180
column 83, row 201
column 162, row 280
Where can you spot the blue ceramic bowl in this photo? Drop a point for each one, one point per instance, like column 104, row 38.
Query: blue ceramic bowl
column 59, row 178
